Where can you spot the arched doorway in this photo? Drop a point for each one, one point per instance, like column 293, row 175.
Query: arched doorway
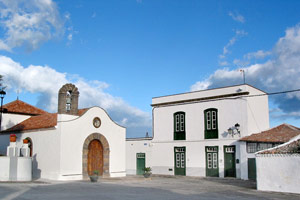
column 30, row 145
column 91, row 144
column 95, row 157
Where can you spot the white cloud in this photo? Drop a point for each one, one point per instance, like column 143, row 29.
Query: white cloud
column 260, row 54
column 237, row 17
column 279, row 73
column 70, row 36
column 232, row 41
column 223, row 63
column 28, row 23
column 46, row 82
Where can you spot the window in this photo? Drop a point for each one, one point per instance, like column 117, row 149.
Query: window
column 179, row 126
column 211, row 123
column 253, row 147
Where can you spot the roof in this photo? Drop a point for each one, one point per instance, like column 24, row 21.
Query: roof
column 231, row 86
column 290, row 148
column 40, row 119
column 82, row 111
column 216, row 94
column 20, row 107
column 47, row 120
column 279, row 134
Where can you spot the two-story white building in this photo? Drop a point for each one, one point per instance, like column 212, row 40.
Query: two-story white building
column 197, row 133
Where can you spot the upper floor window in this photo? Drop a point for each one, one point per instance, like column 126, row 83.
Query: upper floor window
column 211, row 123
column 179, row 126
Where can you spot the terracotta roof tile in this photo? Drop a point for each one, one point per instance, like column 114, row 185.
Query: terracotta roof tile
column 21, row 107
column 82, row 111
column 279, row 134
column 291, row 148
column 40, row 119
column 47, row 120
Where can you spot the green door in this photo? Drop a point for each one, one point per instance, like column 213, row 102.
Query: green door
column 229, row 159
column 179, row 158
column 251, row 169
column 140, row 163
column 212, row 163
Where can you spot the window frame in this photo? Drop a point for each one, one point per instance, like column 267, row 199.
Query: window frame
column 211, row 123
column 259, row 146
column 179, row 125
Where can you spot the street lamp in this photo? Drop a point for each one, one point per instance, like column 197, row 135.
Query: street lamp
column 234, row 130
column 2, row 95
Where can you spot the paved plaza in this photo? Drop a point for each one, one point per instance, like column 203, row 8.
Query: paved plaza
column 134, row 187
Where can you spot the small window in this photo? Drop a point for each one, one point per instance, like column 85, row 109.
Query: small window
column 251, row 147
column 211, row 123
column 179, row 126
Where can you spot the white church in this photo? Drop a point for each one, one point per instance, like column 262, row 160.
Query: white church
column 68, row 145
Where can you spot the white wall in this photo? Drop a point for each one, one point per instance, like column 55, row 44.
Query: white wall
column 163, row 156
column 73, row 134
column 9, row 120
column 229, row 113
column 257, row 112
column 244, row 159
column 134, row 146
column 278, row 172
column 45, row 155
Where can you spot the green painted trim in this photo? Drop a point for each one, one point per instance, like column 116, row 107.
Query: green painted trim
column 227, row 170
column 211, row 134
column 212, row 172
column 178, row 135
column 140, row 163
column 251, row 169
column 180, row 171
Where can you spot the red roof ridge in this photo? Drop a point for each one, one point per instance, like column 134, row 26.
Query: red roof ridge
column 290, row 147
column 279, row 134
column 20, row 107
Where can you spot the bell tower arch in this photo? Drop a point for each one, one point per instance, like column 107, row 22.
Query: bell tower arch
column 68, row 99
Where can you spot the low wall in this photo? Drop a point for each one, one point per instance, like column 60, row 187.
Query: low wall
column 15, row 168
column 278, row 172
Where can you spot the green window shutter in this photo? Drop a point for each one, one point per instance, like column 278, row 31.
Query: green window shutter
column 211, row 123
column 179, row 126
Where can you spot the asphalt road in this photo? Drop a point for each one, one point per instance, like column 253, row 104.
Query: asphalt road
column 139, row 188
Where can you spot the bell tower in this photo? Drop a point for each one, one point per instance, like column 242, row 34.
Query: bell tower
column 68, row 99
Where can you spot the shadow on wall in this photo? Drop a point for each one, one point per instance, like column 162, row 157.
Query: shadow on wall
column 8, row 125
column 36, row 172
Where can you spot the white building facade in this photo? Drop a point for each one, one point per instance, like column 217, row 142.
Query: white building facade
column 197, row 133
column 70, row 144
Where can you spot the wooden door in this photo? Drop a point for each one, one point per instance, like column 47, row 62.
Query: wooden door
column 229, row 161
column 95, row 157
column 212, row 161
column 140, row 163
column 179, row 158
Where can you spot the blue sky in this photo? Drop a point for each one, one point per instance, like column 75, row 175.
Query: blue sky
column 121, row 53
